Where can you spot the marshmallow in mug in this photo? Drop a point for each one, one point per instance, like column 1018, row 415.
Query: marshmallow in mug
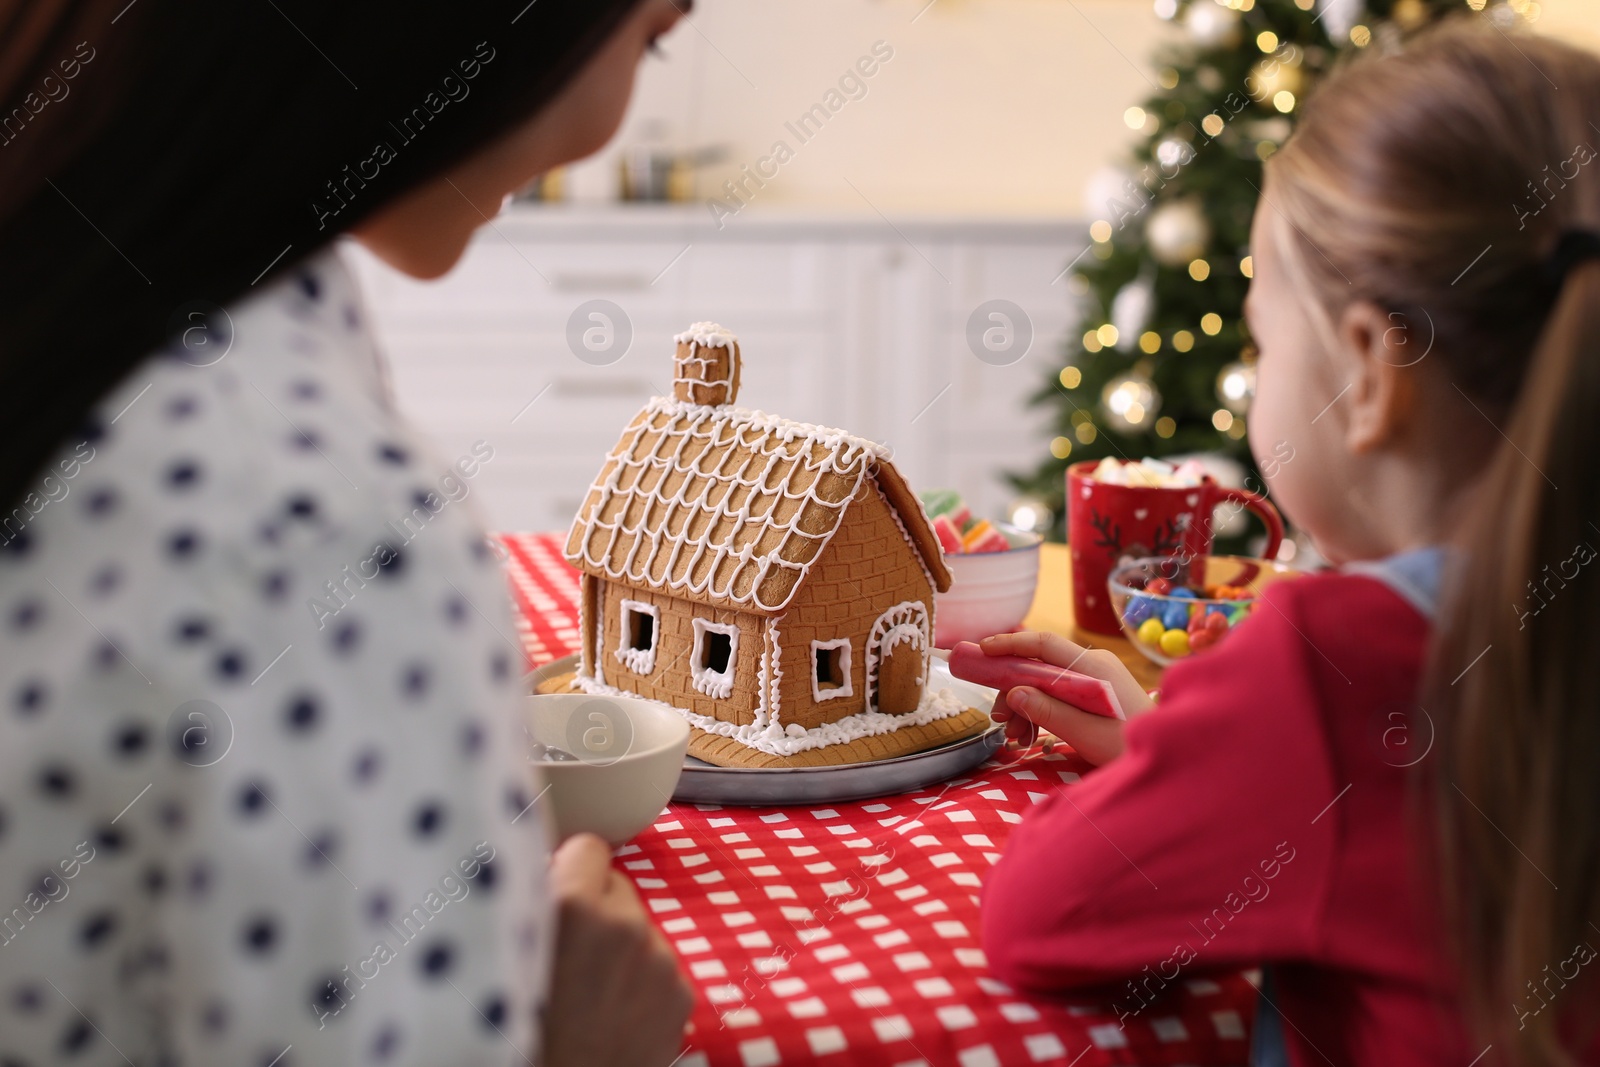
column 1150, row 473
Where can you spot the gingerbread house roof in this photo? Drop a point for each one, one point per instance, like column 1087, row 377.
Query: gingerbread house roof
column 729, row 507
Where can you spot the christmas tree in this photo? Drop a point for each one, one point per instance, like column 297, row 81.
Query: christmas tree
column 1165, row 365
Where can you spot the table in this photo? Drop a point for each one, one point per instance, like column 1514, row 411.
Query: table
column 849, row 934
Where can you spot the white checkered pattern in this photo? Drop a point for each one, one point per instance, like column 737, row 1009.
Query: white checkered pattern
column 849, row 934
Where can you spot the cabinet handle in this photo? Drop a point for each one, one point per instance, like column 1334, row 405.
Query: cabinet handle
column 588, row 283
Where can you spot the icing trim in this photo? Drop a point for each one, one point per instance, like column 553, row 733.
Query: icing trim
column 637, row 660
column 851, row 458
column 906, row 621
column 775, row 740
column 769, row 709
column 819, row 694
column 708, row 334
column 587, row 651
column 715, row 684
column 761, row 677
column 933, row 586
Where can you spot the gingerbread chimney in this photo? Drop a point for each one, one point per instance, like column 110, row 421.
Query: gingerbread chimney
column 705, row 369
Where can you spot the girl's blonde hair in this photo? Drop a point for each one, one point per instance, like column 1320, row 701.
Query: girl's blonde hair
column 1445, row 182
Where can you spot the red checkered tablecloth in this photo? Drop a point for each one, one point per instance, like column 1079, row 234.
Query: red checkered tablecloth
column 849, row 934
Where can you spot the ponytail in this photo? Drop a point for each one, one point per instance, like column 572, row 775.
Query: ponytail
column 1514, row 691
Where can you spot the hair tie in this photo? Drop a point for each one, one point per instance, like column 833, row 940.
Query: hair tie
column 1572, row 247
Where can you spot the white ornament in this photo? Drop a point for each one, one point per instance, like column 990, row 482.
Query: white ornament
column 1338, row 16
column 1108, row 196
column 1236, row 387
column 1173, row 153
column 1211, row 24
column 1276, row 130
column 1030, row 513
column 1177, row 232
column 1166, row 9
column 1130, row 310
column 1129, row 402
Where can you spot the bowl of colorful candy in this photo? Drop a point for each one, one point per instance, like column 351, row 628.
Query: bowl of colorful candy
column 994, row 572
column 1172, row 609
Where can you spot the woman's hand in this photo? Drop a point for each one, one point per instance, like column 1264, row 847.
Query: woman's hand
column 617, row 998
column 1023, row 709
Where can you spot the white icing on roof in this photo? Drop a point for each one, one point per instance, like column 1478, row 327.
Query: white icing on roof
column 721, row 504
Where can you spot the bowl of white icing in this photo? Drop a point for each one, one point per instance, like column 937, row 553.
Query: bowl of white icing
column 610, row 763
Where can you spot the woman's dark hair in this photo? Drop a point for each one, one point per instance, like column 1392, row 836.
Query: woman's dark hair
column 1455, row 178
column 159, row 157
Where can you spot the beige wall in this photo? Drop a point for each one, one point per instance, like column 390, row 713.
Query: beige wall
column 987, row 107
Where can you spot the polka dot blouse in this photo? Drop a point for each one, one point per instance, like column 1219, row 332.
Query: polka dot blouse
column 263, row 797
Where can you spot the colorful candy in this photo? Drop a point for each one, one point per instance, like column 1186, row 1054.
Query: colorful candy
column 1139, row 609
column 940, row 502
column 983, row 537
column 1175, row 621
column 948, row 532
column 955, row 527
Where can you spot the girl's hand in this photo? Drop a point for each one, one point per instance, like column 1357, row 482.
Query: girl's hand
column 617, row 998
column 1023, row 709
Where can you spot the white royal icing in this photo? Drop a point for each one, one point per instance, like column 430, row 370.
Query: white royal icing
column 708, row 334
column 715, row 684
column 777, row 740
column 769, row 711
column 638, row 660
column 840, row 453
column 819, row 694
column 916, row 551
column 907, row 621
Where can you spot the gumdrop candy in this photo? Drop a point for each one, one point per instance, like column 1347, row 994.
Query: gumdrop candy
column 948, row 534
column 983, row 537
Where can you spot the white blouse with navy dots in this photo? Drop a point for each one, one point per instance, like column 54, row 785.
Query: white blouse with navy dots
column 263, row 793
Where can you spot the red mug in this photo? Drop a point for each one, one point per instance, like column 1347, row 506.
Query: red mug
column 1109, row 523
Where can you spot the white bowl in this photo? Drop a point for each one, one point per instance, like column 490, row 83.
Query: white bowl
column 991, row 591
column 628, row 755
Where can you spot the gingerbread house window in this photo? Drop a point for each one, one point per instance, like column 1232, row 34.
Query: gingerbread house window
column 636, row 641
column 830, row 669
column 716, row 650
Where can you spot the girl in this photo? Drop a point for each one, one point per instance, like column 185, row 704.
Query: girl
column 1383, row 786
column 232, row 829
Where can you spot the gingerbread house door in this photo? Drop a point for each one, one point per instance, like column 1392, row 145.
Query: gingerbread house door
column 897, row 659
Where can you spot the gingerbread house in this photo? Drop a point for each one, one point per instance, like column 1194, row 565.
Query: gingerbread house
column 772, row 580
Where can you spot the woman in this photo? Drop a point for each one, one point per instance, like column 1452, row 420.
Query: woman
column 234, row 827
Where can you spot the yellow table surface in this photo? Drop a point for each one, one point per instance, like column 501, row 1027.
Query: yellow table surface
column 1052, row 611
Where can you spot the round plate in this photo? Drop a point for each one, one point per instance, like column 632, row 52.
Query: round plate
column 704, row 783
